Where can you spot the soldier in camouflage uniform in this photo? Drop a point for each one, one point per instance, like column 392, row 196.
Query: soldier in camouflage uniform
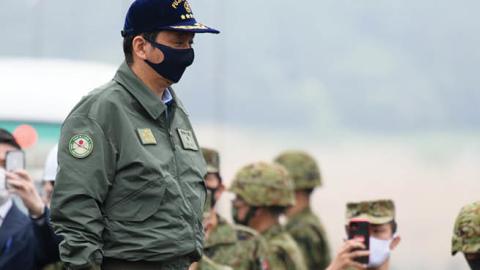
column 383, row 238
column 303, row 225
column 226, row 244
column 466, row 234
column 263, row 192
column 208, row 264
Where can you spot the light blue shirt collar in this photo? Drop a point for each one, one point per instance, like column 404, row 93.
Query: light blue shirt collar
column 167, row 96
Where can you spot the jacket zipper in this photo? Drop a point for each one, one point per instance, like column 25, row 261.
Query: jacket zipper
column 187, row 202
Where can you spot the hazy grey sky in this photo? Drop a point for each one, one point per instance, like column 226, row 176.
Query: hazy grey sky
column 376, row 66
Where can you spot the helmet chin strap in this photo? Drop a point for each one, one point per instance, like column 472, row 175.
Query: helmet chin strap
column 250, row 214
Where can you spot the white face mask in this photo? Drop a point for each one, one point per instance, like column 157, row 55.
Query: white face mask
column 4, row 194
column 379, row 251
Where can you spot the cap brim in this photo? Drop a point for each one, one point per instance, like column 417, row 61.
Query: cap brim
column 194, row 27
column 373, row 220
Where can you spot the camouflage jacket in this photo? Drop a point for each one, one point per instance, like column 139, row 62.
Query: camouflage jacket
column 282, row 251
column 207, row 264
column 236, row 246
column 310, row 236
column 55, row 266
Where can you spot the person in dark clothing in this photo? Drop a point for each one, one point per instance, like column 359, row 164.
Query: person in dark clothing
column 26, row 242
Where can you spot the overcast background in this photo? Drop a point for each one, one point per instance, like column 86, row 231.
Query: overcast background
column 383, row 93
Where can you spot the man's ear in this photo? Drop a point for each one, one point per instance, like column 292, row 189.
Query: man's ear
column 139, row 47
column 395, row 242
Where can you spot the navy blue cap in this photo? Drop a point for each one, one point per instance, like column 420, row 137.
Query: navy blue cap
column 145, row 16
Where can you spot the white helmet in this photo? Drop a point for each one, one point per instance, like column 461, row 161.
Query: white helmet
column 51, row 165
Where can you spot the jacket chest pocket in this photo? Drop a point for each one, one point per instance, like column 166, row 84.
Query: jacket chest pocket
column 139, row 204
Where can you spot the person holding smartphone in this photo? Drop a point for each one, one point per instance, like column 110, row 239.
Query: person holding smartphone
column 380, row 237
column 26, row 242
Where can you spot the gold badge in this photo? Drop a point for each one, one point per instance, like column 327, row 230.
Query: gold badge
column 146, row 136
column 188, row 141
column 187, row 7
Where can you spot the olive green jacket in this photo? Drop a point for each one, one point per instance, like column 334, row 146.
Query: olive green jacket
column 130, row 181
column 283, row 252
column 310, row 236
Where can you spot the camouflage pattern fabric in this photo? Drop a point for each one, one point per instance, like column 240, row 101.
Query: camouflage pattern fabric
column 213, row 160
column 264, row 184
column 282, row 251
column 376, row 212
column 208, row 264
column 236, row 246
column 466, row 234
column 309, row 234
column 302, row 168
column 54, row 266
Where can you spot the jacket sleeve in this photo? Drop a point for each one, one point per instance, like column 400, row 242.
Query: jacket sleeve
column 46, row 249
column 81, row 186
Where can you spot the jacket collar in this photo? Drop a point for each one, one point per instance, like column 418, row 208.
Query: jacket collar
column 152, row 104
column 149, row 101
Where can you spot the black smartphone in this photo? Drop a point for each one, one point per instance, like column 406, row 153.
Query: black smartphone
column 14, row 160
column 358, row 229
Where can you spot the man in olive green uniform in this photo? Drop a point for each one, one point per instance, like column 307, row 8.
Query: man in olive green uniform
column 466, row 234
column 383, row 229
column 303, row 224
column 263, row 192
column 234, row 245
column 130, row 191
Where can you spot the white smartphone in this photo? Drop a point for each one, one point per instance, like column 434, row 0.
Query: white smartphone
column 14, row 160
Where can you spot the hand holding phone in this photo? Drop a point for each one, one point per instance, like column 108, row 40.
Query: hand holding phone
column 358, row 229
column 14, row 160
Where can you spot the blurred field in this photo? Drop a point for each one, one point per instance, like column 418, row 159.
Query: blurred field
column 430, row 176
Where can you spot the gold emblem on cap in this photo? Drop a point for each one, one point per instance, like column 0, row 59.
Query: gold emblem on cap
column 190, row 27
column 176, row 3
column 187, row 7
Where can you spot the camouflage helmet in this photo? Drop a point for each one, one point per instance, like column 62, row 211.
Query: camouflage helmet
column 302, row 168
column 213, row 160
column 466, row 234
column 376, row 212
column 264, row 184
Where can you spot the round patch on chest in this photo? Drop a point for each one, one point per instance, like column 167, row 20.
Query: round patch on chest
column 80, row 146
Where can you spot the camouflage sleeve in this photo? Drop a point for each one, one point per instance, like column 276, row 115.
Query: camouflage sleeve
column 276, row 261
column 314, row 247
column 207, row 264
column 285, row 256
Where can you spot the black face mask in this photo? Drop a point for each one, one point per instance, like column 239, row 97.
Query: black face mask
column 474, row 264
column 174, row 63
column 248, row 216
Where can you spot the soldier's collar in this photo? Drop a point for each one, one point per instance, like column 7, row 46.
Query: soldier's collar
column 149, row 101
column 272, row 231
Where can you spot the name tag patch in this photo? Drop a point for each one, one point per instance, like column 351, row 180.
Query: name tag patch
column 146, row 136
column 188, row 141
